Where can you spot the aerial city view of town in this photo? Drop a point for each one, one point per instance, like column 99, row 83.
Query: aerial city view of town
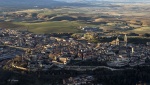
column 81, row 42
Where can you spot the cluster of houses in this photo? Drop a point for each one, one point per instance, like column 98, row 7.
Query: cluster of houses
column 42, row 52
column 129, row 54
column 8, row 52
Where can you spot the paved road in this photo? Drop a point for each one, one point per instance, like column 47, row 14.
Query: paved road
column 83, row 68
column 22, row 48
column 21, row 68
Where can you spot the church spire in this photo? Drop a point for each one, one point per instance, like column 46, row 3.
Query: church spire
column 117, row 41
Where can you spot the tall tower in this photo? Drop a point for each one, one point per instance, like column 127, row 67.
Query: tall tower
column 117, row 41
column 125, row 39
column 132, row 50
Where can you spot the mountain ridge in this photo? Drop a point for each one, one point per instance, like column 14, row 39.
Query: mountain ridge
column 58, row 3
column 39, row 3
column 104, row 0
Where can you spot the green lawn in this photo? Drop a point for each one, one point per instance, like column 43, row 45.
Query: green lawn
column 141, row 30
column 52, row 27
column 58, row 27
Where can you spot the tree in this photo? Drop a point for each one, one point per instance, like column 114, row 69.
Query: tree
column 133, row 34
column 33, row 15
column 76, row 35
column 91, row 37
column 146, row 35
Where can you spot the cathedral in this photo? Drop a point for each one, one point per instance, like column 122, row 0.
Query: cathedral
column 120, row 43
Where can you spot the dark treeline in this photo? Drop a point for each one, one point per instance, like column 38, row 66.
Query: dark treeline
column 102, row 76
column 126, row 77
column 135, row 40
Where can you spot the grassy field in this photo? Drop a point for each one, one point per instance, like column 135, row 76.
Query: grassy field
column 46, row 27
column 141, row 30
column 60, row 27
column 52, row 27
column 10, row 25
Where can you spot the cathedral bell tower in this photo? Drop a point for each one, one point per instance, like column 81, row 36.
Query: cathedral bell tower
column 125, row 40
column 117, row 41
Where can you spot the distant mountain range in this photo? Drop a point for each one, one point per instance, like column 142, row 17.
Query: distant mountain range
column 56, row 3
column 105, row 0
column 36, row 3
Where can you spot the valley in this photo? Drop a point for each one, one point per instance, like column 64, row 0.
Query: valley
column 119, row 17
